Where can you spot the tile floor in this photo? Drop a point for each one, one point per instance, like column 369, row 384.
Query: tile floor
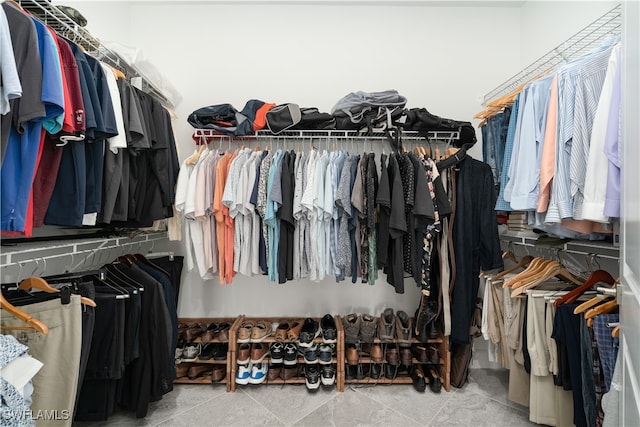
column 482, row 402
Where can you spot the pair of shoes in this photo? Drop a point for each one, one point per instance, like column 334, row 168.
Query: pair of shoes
column 219, row 373
column 217, row 332
column 192, row 331
column 190, row 352
column 359, row 328
column 254, row 331
column 197, row 370
column 318, row 353
column 310, row 331
column 328, row 327
column 217, row 351
column 435, row 384
column 252, row 373
column 281, row 371
column 426, row 353
column 254, row 353
column 288, row 330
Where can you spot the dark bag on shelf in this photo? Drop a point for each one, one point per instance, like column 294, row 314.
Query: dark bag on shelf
column 312, row 119
column 221, row 117
column 368, row 110
column 283, row 117
column 421, row 120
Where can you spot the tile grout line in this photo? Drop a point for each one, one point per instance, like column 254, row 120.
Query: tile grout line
column 264, row 407
column 442, row 407
column 387, row 406
column 505, row 403
column 334, row 397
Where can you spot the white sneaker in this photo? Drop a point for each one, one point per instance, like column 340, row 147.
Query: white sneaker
column 258, row 373
column 243, row 375
column 191, row 352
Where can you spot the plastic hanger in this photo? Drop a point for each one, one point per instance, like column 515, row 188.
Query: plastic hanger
column 19, row 314
column 41, row 284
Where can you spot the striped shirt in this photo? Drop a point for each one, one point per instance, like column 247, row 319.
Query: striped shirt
column 501, row 203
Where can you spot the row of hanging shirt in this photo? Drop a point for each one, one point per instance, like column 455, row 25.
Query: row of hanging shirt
column 315, row 214
column 560, row 126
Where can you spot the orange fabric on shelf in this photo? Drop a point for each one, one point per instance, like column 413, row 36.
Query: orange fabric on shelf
column 261, row 116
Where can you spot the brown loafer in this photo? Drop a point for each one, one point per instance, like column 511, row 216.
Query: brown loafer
column 197, row 370
column 244, row 353
column 281, row 331
column 194, row 331
column 294, row 330
column 258, row 352
column 219, row 372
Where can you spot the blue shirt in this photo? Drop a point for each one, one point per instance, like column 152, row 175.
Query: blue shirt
column 501, row 203
column 273, row 226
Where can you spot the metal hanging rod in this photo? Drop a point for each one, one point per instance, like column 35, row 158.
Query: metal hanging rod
column 65, row 26
column 577, row 45
column 444, row 136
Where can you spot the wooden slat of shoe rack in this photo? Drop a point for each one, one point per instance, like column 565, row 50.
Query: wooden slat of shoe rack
column 235, row 323
column 339, row 356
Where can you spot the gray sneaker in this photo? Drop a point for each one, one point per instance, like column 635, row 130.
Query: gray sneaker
column 368, row 328
column 352, row 327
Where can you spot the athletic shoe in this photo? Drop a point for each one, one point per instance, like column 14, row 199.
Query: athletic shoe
column 191, row 352
column 310, row 330
column 311, row 354
column 277, row 352
column 325, row 354
column 258, row 352
column 258, row 373
column 243, row 375
column 328, row 376
column 290, row 354
column 328, row 326
column 311, row 377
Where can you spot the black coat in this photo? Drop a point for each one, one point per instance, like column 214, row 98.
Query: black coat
column 475, row 239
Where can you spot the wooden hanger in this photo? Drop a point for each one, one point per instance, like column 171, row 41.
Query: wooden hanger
column 594, row 301
column 601, row 309
column 595, row 277
column 615, row 333
column 193, row 159
column 19, row 314
column 552, row 270
column 536, row 265
column 41, row 284
column 524, row 261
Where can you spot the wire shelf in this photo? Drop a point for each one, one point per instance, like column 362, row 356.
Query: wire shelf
column 577, row 45
column 444, row 136
column 66, row 27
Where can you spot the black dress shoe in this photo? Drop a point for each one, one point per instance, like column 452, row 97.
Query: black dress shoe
column 208, row 350
column 419, row 381
column 434, row 380
column 375, row 371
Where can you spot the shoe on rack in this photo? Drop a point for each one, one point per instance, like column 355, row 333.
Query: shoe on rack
column 281, row 331
column 211, row 333
column 223, row 331
column 392, row 356
column 328, row 326
column 310, row 330
column 244, row 353
column 387, row 326
column 368, row 328
column 312, row 377
column 275, row 369
column 353, row 355
column 277, row 352
column 311, row 354
column 258, row 373
column 207, row 350
column 295, row 326
column 419, row 381
column 258, row 352
column 182, row 370
column 244, row 332
column 432, row 352
column 420, row 352
column 220, row 351
column 405, row 356
column 362, row 370
column 194, row 331
column 350, row 372
column 434, row 380
column 390, row 371
column 376, row 353
column 197, row 370
column 289, row 372
column 243, row 375
column 260, row 331
column 403, row 329
column 179, row 352
column 325, row 354
column 328, row 374
column 352, row 328
column 218, row 373
column 182, row 332
column 375, row 371
column 290, row 354
column 191, row 352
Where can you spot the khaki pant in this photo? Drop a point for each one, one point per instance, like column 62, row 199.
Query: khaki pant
column 55, row 385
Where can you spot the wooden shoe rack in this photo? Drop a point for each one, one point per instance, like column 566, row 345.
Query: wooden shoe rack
column 444, row 365
column 299, row 379
column 234, row 321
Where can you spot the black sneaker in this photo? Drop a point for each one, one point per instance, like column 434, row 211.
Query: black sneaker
column 312, row 377
column 311, row 354
column 328, row 326
column 325, row 354
column 310, row 330
column 328, row 376
column 290, row 354
column 276, row 350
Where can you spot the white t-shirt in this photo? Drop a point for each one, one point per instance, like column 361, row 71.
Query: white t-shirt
column 10, row 87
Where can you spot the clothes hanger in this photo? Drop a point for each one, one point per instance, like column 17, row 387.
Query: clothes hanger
column 19, row 314
column 523, row 262
column 536, row 265
column 41, row 284
column 615, row 332
column 595, row 300
column 595, row 277
column 601, row 309
column 551, row 271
